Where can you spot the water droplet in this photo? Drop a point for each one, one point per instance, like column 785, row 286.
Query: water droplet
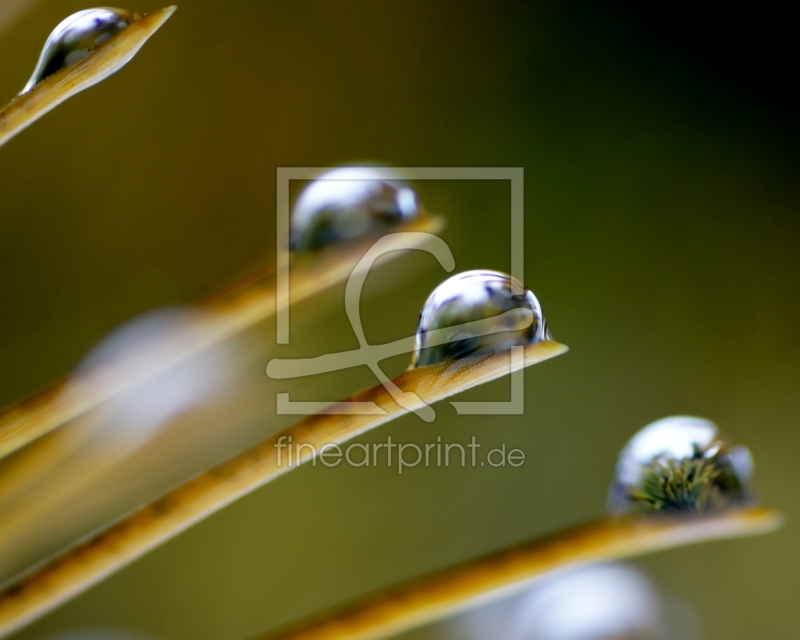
column 76, row 37
column 604, row 602
column 470, row 297
column 131, row 358
column 681, row 465
column 348, row 202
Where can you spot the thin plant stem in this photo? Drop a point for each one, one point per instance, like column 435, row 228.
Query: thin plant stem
column 239, row 307
column 64, row 577
column 512, row 570
column 10, row 10
column 108, row 58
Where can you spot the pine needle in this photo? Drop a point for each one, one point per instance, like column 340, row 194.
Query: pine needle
column 512, row 570
column 11, row 10
column 90, row 562
column 234, row 310
column 27, row 108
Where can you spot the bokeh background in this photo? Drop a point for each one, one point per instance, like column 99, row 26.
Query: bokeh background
column 662, row 235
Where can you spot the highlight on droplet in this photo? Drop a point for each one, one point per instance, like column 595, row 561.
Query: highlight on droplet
column 681, row 464
column 347, row 203
column 470, row 297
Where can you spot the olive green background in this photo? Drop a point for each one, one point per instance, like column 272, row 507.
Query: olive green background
column 662, row 238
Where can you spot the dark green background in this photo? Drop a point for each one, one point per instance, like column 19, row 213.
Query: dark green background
column 662, row 238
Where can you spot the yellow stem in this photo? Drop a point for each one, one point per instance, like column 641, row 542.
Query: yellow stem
column 509, row 571
column 90, row 562
column 10, row 10
column 236, row 309
column 27, row 108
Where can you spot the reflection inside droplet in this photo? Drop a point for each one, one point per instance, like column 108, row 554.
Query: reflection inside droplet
column 470, row 297
column 348, row 202
column 681, row 465
column 76, row 37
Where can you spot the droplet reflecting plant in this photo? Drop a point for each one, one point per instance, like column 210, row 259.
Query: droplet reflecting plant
column 681, row 465
column 76, row 37
column 470, row 297
column 349, row 202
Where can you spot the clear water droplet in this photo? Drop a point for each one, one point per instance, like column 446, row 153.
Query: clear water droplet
column 349, row 202
column 681, row 465
column 474, row 296
column 76, row 37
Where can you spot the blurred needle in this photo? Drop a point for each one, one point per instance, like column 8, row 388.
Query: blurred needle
column 227, row 314
column 10, row 10
column 87, row 564
column 512, row 570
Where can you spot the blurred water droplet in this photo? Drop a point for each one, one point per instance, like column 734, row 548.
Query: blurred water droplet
column 605, row 602
column 473, row 296
column 126, row 340
column 133, row 354
column 76, row 37
column 349, row 202
column 160, row 412
column 681, row 465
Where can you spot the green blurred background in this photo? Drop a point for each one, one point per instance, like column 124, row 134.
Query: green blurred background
column 662, row 238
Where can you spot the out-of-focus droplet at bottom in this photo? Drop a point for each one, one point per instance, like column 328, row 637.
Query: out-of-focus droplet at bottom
column 603, row 602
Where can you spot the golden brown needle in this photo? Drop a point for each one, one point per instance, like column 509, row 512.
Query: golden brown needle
column 509, row 571
column 28, row 107
column 236, row 309
column 89, row 563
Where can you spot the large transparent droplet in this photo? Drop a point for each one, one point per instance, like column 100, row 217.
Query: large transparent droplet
column 349, row 202
column 76, row 37
column 681, row 465
column 471, row 297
